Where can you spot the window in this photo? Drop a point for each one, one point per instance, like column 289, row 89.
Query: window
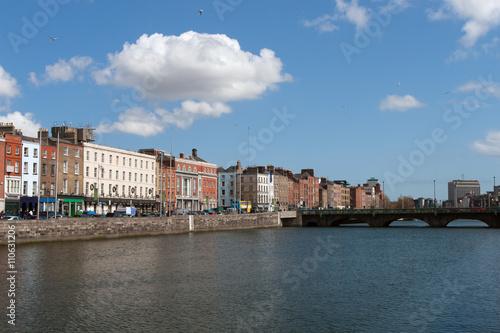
column 123, row 190
column 17, row 150
column 117, row 174
column 130, row 176
column 95, row 156
column 223, row 192
column 146, row 180
column 9, row 149
column 65, row 151
column 25, row 167
column 124, row 161
column 178, row 185
column 65, row 167
column 184, row 168
column 53, row 155
column 53, row 170
column 16, row 167
column 110, row 174
column 77, row 168
column 102, row 188
column 141, row 164
column 95, row 172
column 129, row 162
column 77, row 186
column 77, row 153
column 102, row 173
column 25, row 187
column 65, row 186
column 86, row 188
column 189, row 169
column 123, row 175
column 52, row 189
column 136, row 162
column 35, row 168
column 194, row 169
column 43, row 189
column 146, row 164
column 179, row 167
column 110, row 159
column 135, row 177
column 26, row 151
column 109, row 189
column 44, row 169
column 35, row 153
column 86, row 171
column 140, row 178
column 88, row 155
column 44, row 153
column 102, row 158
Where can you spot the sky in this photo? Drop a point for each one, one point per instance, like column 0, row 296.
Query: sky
column 405, row 91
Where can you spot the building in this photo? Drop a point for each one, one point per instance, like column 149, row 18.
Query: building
column 458, row 189
column 228, row 187
column 308, row 188
column 165, row 180
column 12, row 163
column 30, row 177
column 280, row 183
column 330, row 194
column 258, row 188
column 116, row 178
column 2, row 173
column 196, row 183
column 48, row 172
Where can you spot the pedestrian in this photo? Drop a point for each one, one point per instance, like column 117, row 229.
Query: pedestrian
column 1, row 214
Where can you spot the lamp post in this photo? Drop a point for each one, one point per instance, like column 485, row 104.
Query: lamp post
column 434, row 194
column 383, row 193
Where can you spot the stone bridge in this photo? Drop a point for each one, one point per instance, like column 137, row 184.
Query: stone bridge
column 439, row 217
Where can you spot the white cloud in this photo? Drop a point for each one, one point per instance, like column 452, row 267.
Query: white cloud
column 323, row 23
column 63, row 70
column 25, row 122
column 140, row 121
column 8, row 85
column 207, row 67
column 480, row 17
column 490, row 145
column 357, row 15
column 482, row 88
column 400, row 103
column 136, row 121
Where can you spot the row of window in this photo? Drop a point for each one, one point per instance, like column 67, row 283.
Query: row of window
column 115, row 190
column 142, row 177
column 124, row 160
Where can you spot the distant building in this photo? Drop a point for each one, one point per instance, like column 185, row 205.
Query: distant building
column 458, row 189
column 229, row 182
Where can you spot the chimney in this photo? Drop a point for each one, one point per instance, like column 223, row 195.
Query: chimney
column 195, row 153
column 181, row 155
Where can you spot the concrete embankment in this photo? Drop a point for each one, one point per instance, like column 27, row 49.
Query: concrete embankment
column 113, row 227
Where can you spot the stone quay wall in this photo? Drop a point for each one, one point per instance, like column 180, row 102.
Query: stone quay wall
column 63, row 229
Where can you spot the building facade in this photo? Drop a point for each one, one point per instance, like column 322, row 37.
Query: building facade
column 458, row 189
column 116, row 178
column 30, row 177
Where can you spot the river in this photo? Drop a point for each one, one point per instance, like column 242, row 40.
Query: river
column 346, row 279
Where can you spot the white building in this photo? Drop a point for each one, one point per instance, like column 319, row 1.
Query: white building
column 30, row 175
column 228, row 188
column 118, row 178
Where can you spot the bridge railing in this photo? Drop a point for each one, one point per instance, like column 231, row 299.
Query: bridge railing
column 397, row 211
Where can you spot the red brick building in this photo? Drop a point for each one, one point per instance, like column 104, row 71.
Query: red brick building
column 12, row 183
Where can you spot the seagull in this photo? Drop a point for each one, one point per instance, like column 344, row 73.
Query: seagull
column 53, row 38
column 446, row 92
column 200, row 11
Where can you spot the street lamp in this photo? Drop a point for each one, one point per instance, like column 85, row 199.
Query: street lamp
column 434, row 194
column 383, row 193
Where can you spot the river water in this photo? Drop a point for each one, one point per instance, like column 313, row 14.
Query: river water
column 347, row 279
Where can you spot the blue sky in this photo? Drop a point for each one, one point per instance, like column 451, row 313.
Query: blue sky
column 404, row 91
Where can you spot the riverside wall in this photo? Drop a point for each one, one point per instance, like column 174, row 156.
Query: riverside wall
column 64, row 229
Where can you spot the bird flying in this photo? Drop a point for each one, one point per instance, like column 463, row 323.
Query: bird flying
column 200, row 11
column 53, row 38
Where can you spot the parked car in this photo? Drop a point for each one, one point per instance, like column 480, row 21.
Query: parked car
column 114, row 214
column 12, row 218
column 58, row 215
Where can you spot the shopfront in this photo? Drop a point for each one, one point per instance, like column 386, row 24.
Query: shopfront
column 69, row 207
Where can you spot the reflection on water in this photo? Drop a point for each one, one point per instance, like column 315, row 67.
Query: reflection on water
column 401, row 279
